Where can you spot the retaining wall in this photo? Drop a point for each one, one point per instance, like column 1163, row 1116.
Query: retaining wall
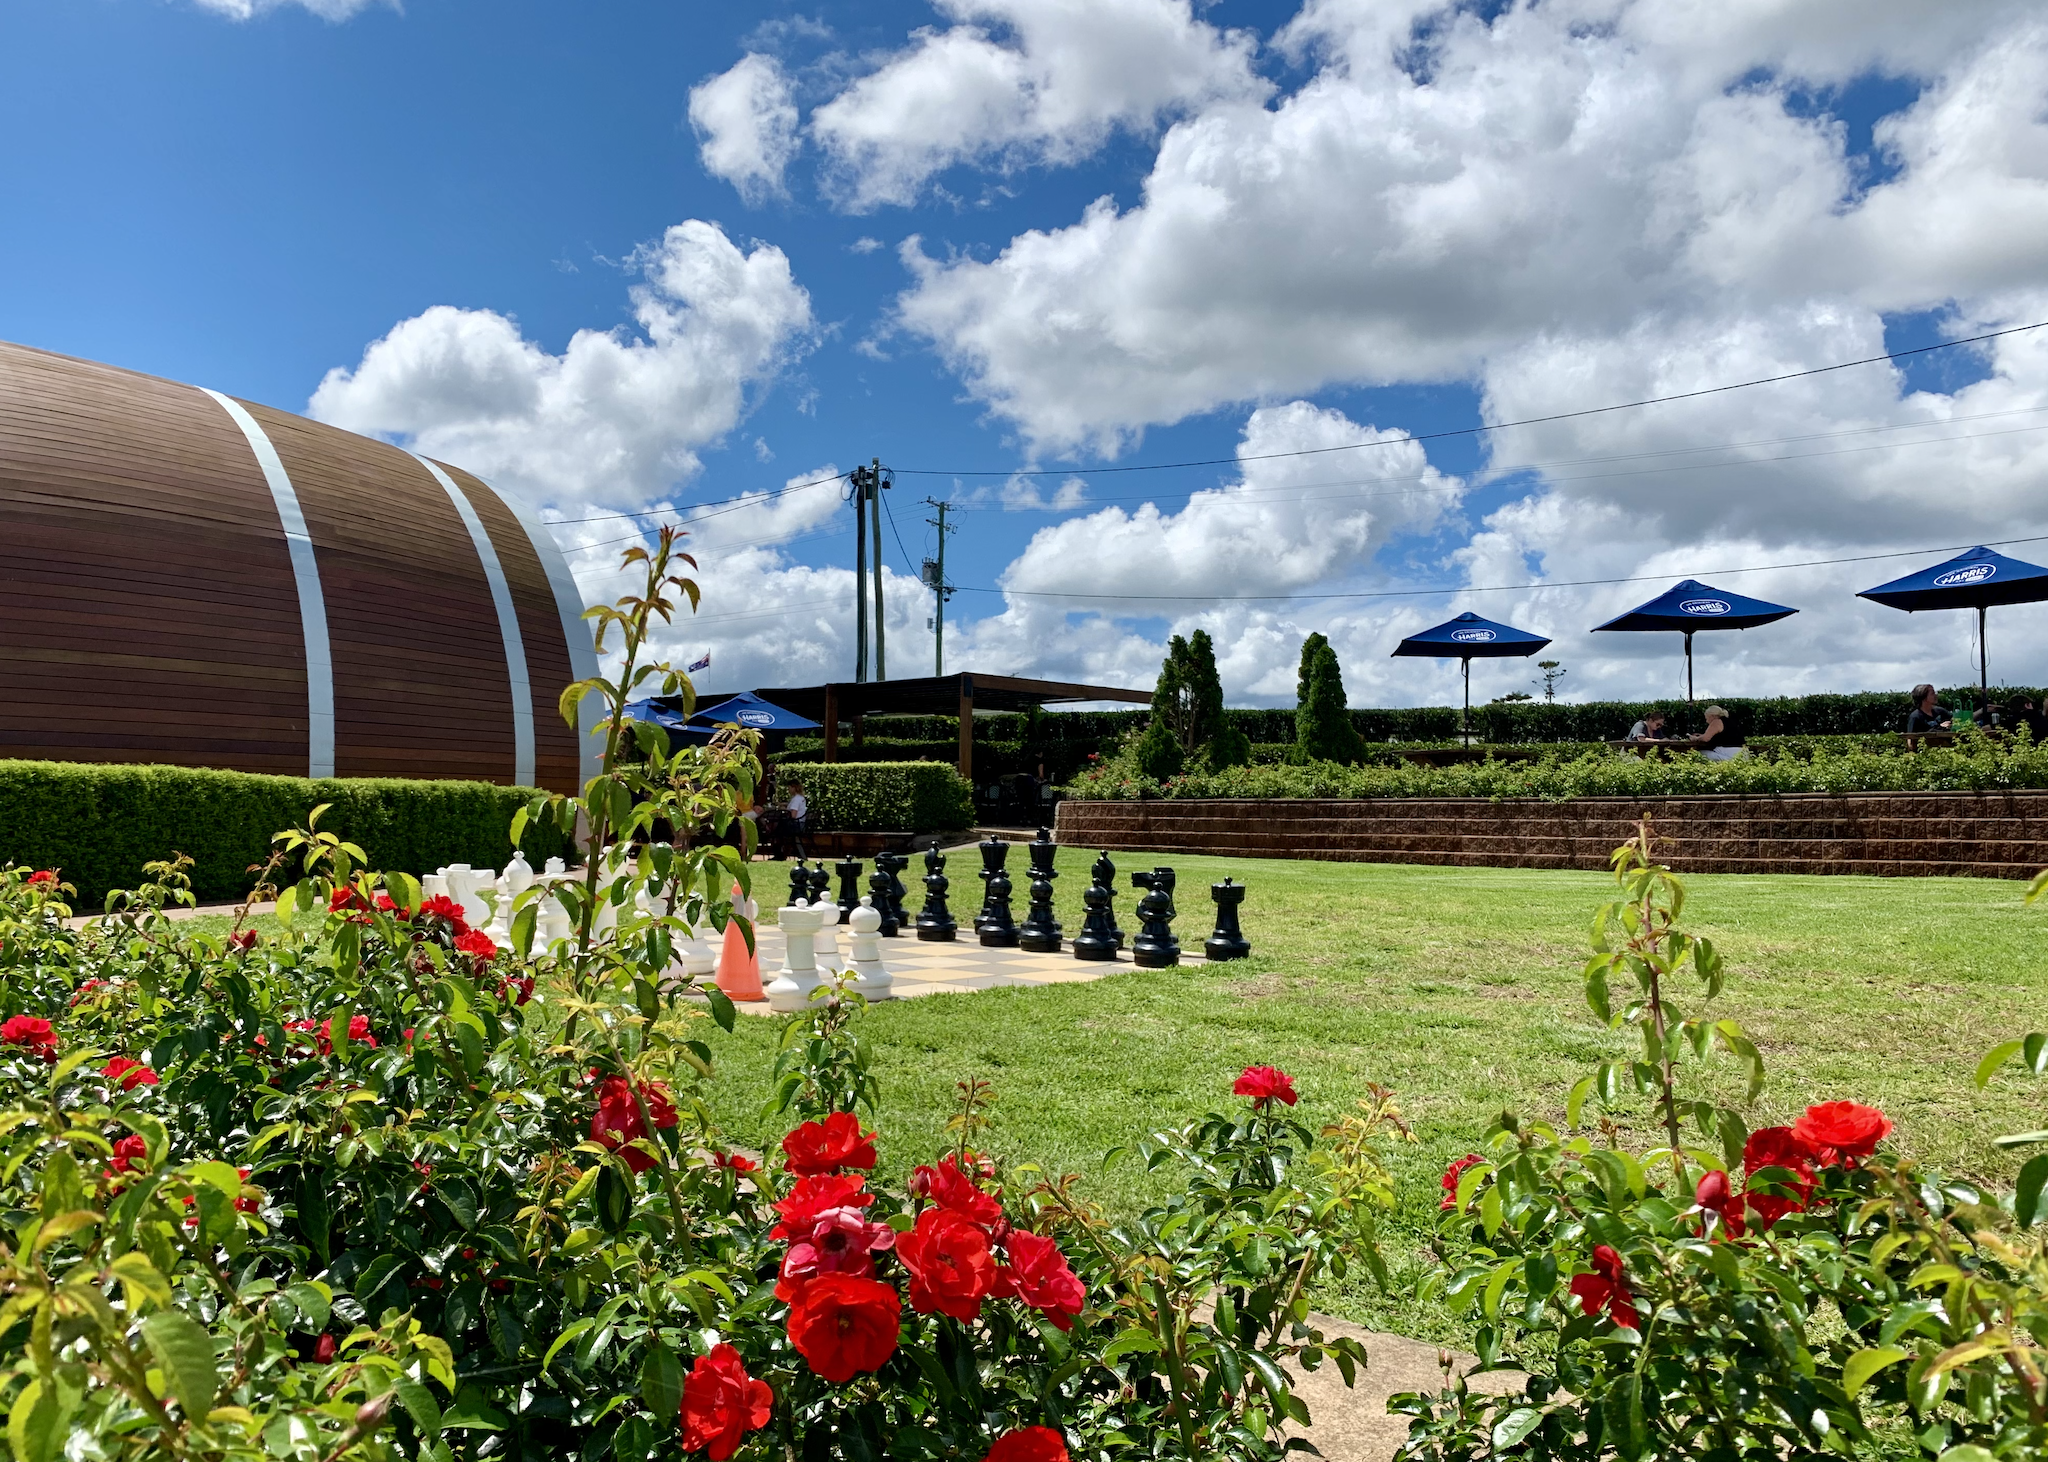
column 1891, row 834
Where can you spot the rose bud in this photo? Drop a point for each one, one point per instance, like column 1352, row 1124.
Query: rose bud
column 371, row 1414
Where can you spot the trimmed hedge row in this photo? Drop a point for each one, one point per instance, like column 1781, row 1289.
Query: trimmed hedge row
column 899, row 796
column 100, row 824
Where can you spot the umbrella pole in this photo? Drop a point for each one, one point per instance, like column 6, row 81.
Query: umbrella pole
column 1688, row 667
column 1983, row 672
column 1466, row 661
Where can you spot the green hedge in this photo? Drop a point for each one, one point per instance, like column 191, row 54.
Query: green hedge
column 900, row 796
column 1971, row 765
column 100, row 824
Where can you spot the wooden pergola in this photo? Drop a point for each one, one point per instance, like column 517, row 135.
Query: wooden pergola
column 932, row 695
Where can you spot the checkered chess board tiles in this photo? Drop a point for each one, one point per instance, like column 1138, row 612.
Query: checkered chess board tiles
column 932, row 967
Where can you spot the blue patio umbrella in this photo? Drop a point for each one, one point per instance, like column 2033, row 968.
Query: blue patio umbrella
column 1469, row 638
column 1975, row 580
column 749, row 710
column 1689, row 607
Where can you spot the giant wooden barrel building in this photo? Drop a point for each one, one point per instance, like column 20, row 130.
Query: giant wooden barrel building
column 190, row 579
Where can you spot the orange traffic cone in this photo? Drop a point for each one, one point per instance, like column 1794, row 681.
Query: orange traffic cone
column 739, row 968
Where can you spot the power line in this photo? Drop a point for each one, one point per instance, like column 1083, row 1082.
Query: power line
column 1757, row 568
column 1467, row 431
column 761, row 493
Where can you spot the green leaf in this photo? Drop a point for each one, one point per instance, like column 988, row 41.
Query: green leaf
column 565, row 1337
column 140, row 1280
column 287, row 904
column 722, row 1010
column 1864, row 1364
column 185, row 1352
column 1628, row 1430
column 375, row 1275
column 661, row 1380
column 458, row 1198
column 1581, row 1089
column 470, row 1412
column 2021, row 1139
column 2026, row 1197
column 1994, row 1058
column 1516, row 1425
column 1132, row 1342
column 33, row 1428
column 1967, row 1452
column 420, row 1405
column 316, row 1304
column 518, row 826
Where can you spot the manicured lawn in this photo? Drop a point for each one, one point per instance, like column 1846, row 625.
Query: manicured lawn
column 1460, row 989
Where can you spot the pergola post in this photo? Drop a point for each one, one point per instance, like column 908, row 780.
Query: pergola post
column 831, row 725
column 967, row 727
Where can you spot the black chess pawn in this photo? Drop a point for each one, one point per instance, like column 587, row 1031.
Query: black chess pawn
column 1098, row 936
column 878, row 895
column 935, row 920
column 1228, row 942
column 1155, row 947
column 820, row 883
column 799, row 883
column 848, row 870
column 994, row 923
column 1040, row 931
column 894, row 918
column 1103, row 874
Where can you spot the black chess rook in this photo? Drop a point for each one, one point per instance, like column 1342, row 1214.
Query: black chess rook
column 1228, row 941
column 849, row 887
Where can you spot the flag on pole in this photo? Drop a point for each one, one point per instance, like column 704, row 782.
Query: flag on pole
column 703, row 664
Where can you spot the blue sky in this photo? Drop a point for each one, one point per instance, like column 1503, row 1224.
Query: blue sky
column 252, row 200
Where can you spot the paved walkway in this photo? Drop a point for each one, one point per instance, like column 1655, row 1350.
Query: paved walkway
column 932, row 967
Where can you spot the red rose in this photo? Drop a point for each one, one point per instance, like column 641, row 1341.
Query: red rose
column 358, row 1032
column 825, row 1147
column 812, row 1196
column 722, row 1403
column 736, row 1162
column 129, row 1154
column 1777, row 1147
column 951, row 1266
column 1039, row 1275
column 130, row 1074
column 617, row 1120
column 31, row 1032
column 1607, row 1288
column 43, row 878
column 242, row 940
column 1840, row 1132
column 1029, row 1444
column 954, row 1191
column 346, row 900
column 90, row 987
column 476, row 944
column 1716, row 1195
column 1263, row 1084
column 1451, row 1175
column 323, row 1350
column 442, row 907
column 843, row 1324
column 840, row 1241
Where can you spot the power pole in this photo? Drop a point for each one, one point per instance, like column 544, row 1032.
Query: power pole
column 859, row 483
column 879, row 477
column 935, row 580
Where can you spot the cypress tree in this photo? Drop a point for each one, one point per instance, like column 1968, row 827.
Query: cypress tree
column 1322, row 726
column 1159, row 751
column 1210, row 732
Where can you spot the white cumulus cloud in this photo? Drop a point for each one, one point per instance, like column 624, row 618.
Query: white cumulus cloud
column 1019, row 82
column 746, row 123
column 325, row 9
column 617, row 417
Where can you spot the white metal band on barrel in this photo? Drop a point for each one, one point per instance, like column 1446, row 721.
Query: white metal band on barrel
column 576, row 632
column 508, row 626
column 306, row 575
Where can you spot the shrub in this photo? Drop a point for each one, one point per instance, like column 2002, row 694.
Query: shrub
column 100, row 824
column 1322, row 728
column 909, row 796
column 1792, row 1292
column 1973, row 764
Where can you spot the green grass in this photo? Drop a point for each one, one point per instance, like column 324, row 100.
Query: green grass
column 1459, row 988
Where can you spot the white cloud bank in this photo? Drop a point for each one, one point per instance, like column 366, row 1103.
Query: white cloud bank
column 616, row 417
column 746, row 121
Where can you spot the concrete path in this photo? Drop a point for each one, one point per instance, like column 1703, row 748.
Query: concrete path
column 1352, row 1425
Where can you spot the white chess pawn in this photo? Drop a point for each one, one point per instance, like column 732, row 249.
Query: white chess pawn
column 789, row 993
column 553, row 921
column 870, row 977
column 831, row 957
column 696, row 958
column 500, row 927
column 520, row 874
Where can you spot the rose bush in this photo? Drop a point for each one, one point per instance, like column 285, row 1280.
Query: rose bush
column 1791, row 1292
column 363, row 1183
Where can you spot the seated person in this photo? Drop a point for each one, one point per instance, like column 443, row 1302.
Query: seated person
column 1650, row 728
column 1720, row 741
column 1926, row 714
column 2021, row 711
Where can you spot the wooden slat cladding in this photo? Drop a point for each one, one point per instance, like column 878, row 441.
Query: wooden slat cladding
column 540, row 626
column 147, row 607
column 419, row 664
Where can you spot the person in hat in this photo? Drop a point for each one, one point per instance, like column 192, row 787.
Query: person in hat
column 1720, row 741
